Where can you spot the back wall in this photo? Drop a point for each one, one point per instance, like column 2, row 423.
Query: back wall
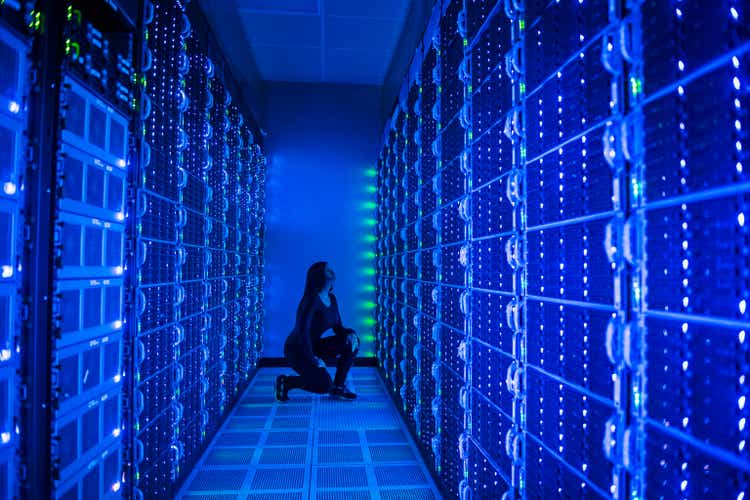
column 322, row 144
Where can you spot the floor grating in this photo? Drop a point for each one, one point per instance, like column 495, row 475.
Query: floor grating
column 312, row 447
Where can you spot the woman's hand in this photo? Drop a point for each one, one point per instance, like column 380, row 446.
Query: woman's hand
column 320, row 362
column 353, row 341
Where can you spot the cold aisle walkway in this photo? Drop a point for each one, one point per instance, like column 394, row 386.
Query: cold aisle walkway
column 312, row 447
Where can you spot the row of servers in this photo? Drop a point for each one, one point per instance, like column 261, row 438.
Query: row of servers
column 131, row 225
column 562, row 252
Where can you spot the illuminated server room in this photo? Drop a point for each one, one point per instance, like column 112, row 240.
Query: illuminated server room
column 374, row 249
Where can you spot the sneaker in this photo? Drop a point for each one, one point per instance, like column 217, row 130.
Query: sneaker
column 281, row 388
column 342, row 392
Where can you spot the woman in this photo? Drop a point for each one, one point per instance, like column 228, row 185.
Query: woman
column 307, row 352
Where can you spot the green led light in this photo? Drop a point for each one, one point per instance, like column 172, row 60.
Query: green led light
column 368, row 322
column 370, row 238
column 368, row 254
column 36, row 20
column 636, row 86
column 636, row 186
column 636, row 397
column 371, row 222
column 372, row 189
column 368, row 288
column 522, row 24
column 72, row 46
column 368, row 205
column 523, row 88
column 368, row 304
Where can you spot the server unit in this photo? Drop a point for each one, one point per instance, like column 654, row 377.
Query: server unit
column 561, row 248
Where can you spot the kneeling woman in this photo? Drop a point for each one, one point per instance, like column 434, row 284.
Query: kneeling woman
column 307, row 352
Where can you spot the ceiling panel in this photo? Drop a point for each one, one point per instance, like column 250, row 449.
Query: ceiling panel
column 355, row 66
column 341, row 41
column 392, row 9
column 376, row 35
column 278, row 6
column 288, row 64
column 280, row 29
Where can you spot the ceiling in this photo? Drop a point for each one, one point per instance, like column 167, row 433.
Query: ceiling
column 322, row 41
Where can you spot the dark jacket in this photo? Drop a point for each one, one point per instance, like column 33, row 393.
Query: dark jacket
column 314, row 319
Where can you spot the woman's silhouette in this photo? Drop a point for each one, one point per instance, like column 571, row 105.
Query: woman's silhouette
column 307, row 352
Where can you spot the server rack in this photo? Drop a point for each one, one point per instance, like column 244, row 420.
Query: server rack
column 696, row 333
column 105, row 210
column 584, row 306
column 14, row 94
column 199, row 253
column 92, row 149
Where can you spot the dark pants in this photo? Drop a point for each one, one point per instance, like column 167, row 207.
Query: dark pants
column 313, row 378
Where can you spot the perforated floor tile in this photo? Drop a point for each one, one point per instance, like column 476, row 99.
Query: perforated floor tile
column 385, row 436
column 286, row 438
column 218, row 480
column 278, row 479
column 253, row 411
column 238, row 438
column 258, row 389
column 360, row 416
column 392, row 453
column 312, row 447
column 229, row 456
column 293, row 410
column 338, row 437
column 343, row 494
column 341, row 477
column 339, row 454
column 246, row 423
column 287, row 495
column 286, row 455
column 364, row 386
column 290, row 422
column 399, row 475
column 408, row 494
column 258, row 399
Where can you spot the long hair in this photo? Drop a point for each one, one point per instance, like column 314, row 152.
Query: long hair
column 314, row 283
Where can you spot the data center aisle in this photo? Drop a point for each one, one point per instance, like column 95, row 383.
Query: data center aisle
column 312, row 447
